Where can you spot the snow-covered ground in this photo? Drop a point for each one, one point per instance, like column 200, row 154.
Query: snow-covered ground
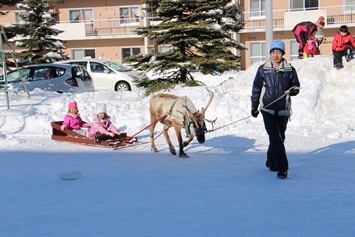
column 223, row 189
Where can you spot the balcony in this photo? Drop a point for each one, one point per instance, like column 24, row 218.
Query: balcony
column 102, row 28
column 287, row 19
column 114, row 27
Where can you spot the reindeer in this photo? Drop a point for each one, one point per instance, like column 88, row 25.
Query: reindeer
column 178, row 112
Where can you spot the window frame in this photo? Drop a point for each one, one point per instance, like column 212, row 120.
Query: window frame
column 84, row 50
column 346, row 5
column 259, row 12
column 131, row 49
column 17, row 18
column 262, row 56
column 303, row 8
column 82, row 13
column 130, row 20
column 294, row 49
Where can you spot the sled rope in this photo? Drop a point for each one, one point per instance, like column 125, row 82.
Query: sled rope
column 161, row 118
column 137, row 144
column 285, row 93
column 130, row 137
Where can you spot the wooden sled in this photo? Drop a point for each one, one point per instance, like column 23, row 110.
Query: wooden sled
column 68, row 135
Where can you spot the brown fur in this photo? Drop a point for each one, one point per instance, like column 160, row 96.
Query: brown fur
column 177, row 110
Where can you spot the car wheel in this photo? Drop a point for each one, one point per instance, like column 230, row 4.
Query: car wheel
column 122, row 86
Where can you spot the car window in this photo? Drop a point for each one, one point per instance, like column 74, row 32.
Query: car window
column 42, row 73
column 118, row 67
column 80, row 72
column 79, row 63
column 59, row 71
column 14, row 76
column 98, row 67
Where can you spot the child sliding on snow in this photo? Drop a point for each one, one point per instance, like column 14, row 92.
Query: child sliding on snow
column 102, row 128
column 73, row 120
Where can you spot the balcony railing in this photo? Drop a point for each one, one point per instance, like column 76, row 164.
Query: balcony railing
column 286, row 19
column 101, row 27
column 281, row 18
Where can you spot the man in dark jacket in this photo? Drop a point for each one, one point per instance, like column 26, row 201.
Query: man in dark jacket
column 275, row 81
column 303, row 32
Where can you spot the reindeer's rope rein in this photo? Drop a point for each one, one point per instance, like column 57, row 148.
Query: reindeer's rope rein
column 285, row 93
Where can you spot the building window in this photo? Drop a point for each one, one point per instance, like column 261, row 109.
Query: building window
column 129, row 15
column 126, row 52
column 82, row 53
column 164, row 48
column 257, row 8
column 18, row 18
column 349, row 5
column 81, row 15
column 301, row 5
column 294, row 50
column 257, row 52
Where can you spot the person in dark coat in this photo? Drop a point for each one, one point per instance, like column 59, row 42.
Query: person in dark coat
column 303, row 32
column 343, row 45
column 275, row 81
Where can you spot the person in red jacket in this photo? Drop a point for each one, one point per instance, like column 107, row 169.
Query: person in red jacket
column 312, row 46
column 342, row 45
column 303, row 31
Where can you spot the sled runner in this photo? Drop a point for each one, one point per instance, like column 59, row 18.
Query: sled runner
column 68, row 135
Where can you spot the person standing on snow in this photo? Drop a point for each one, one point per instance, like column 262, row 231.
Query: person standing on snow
column 275, row 81
column 312, row 46
column 342, row 45
column 303, row 31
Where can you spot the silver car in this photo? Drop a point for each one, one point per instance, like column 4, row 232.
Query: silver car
column 50, row 77
column 108, row 75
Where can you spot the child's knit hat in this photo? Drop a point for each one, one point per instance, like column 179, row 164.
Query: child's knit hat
column 101, row 108
column 319, row 35
column 72, row 105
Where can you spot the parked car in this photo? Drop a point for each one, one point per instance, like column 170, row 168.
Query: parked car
column 108, row 75
column 50, row 77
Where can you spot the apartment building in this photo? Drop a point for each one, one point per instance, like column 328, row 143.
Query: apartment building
column 286, row 14
column 105, row 28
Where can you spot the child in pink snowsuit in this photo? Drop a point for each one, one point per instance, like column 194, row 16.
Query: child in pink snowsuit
column 102, row 128
column 73, row 120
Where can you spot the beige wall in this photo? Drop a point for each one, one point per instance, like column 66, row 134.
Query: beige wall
column 110, row 46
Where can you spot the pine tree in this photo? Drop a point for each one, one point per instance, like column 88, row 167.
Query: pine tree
column 35, row 34
column 200, row 35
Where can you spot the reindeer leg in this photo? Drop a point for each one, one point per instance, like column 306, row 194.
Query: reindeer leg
column 181, row 147
column 187, row 142
column 167, row 138
column 152, row 127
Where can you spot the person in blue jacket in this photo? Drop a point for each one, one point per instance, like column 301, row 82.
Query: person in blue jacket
column 275, row 81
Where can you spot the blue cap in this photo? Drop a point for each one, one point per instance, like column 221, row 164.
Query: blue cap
column 278, row 45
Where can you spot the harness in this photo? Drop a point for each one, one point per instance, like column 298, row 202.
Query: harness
column 186, row 121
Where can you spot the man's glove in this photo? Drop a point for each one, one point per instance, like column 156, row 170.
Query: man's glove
column 111, row 134
column 254, row 108
column 294, row 91
column 63, row 127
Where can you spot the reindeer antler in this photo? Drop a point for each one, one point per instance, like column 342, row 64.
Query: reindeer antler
column 208, row 103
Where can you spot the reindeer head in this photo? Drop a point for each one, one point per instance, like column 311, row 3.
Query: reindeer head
column 196, row 122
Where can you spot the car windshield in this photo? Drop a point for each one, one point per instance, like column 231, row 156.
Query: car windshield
column 117, row 67
column 14, row 76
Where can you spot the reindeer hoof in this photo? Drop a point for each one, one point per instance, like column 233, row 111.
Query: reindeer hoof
column 154, row 149
column 184, row 156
